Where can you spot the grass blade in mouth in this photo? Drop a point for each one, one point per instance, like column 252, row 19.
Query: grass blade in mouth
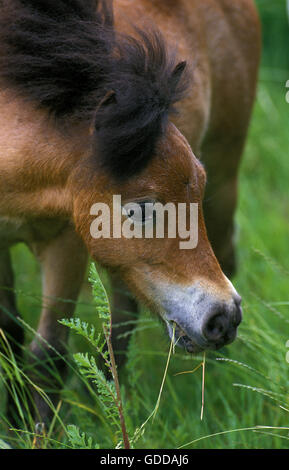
column 139, row 431
column 203, row 385
column 203, row 365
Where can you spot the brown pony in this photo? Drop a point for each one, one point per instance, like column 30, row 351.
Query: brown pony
column 87, row 112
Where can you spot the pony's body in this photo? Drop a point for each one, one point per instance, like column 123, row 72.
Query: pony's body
column 38, row 161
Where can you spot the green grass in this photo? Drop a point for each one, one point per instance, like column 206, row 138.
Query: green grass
column 247, row 383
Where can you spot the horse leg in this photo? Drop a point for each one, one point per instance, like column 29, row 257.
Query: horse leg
column 124, row 314
column 8, row 323
column 221, row 157
column 63, row 261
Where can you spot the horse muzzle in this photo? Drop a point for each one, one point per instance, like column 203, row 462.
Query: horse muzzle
column 198, row 321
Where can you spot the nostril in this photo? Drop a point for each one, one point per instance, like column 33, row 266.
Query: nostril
column 215, row 327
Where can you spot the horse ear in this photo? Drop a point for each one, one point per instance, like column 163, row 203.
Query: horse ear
column 109, row 98
column 177, row 73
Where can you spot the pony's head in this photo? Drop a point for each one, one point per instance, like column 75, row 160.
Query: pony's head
column 186, row 287
column 140, row 155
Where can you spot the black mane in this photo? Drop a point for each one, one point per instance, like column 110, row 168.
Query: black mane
column 65, row 56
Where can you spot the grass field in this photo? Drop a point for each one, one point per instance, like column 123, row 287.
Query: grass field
column 246, row 384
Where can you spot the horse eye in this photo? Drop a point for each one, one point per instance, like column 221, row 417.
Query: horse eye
column 140, row 212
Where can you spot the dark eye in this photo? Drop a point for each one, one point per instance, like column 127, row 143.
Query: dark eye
column 141, row 212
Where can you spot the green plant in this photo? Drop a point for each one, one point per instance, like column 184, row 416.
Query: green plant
column 108, row 390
